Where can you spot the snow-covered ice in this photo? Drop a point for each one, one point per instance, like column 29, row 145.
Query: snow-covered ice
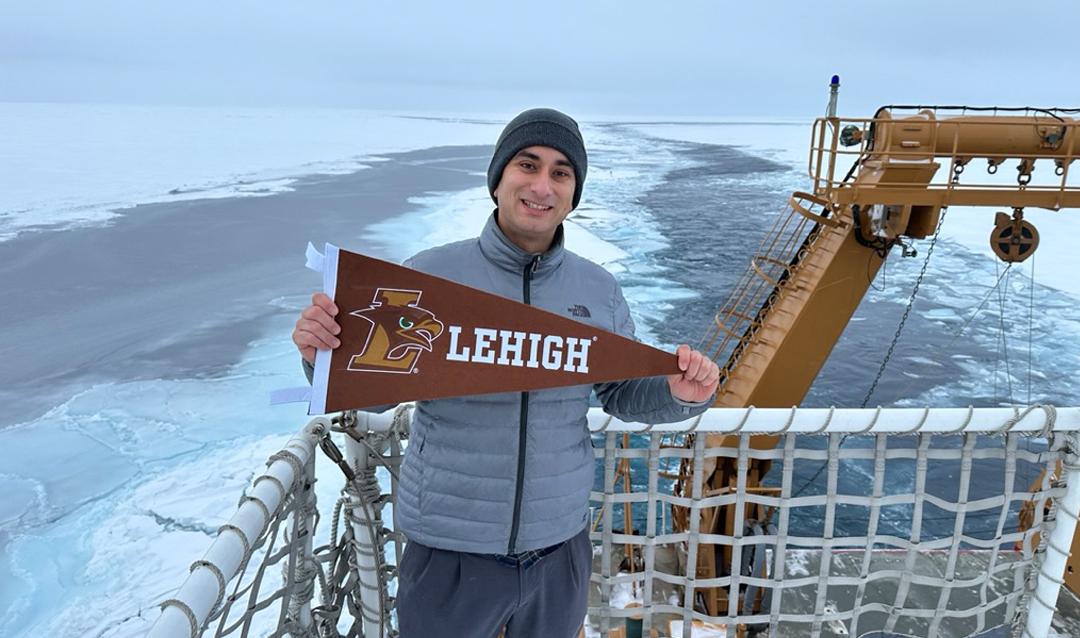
column 139, row 473
column 77, row 164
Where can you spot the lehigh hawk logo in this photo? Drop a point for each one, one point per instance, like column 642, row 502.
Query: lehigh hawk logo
column 400, row 329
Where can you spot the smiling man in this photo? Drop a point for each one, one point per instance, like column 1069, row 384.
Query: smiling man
column 494, row 489
column 537, row 191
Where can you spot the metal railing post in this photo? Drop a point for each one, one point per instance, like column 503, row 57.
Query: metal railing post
column 1043, row 601
column 304, row 572
column 366, row 501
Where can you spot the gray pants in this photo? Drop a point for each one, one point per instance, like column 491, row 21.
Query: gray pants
column 459, row 595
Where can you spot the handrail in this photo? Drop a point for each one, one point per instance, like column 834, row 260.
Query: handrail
column 187, row 612
column 922, row 138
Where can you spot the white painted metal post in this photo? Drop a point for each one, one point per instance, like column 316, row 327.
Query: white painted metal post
column 1044, row 599
column 305, row 570
column 368, row 557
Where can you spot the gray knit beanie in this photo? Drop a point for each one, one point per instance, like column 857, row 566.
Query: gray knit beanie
column 540, row 127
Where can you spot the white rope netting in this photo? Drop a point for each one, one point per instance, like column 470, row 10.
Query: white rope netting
column 914, row 522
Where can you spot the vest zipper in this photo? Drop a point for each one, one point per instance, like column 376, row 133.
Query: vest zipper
column 526, row 284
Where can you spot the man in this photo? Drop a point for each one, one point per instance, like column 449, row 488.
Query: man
column 493, row 491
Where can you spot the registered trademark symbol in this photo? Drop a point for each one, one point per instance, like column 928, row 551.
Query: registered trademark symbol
column 595, row 338
column 416, row 371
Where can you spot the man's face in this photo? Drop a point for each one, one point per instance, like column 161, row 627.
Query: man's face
column 535, row 193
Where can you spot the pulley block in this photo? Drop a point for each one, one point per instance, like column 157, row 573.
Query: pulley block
column 1013, row 238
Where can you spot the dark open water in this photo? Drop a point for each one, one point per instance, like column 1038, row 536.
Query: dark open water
column 717, row 209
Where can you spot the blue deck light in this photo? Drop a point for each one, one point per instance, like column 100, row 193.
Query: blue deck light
column 834, row 91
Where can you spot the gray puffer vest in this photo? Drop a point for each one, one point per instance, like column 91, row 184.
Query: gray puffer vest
column 510, row 472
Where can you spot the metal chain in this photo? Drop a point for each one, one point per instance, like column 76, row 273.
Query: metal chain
column 899, row 329
column 910, row 303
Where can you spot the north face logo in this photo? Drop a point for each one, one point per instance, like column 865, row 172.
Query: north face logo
column 399, row 330
column 578, row 310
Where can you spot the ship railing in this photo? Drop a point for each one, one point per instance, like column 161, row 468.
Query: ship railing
column 275, row 571
column 874, row 545
column 880, row 543
column 1040, row 144
column 772, row 270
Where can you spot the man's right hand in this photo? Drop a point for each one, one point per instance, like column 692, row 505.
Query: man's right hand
column 316, row 328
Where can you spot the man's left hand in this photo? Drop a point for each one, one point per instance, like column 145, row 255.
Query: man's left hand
column 699, row 378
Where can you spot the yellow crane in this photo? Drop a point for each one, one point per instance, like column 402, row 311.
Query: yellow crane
column 876, row 182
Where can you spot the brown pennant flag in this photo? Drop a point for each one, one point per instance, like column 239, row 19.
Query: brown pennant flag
column 406, row 335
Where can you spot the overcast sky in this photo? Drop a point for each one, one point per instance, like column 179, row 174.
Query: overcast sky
column 590, row 57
